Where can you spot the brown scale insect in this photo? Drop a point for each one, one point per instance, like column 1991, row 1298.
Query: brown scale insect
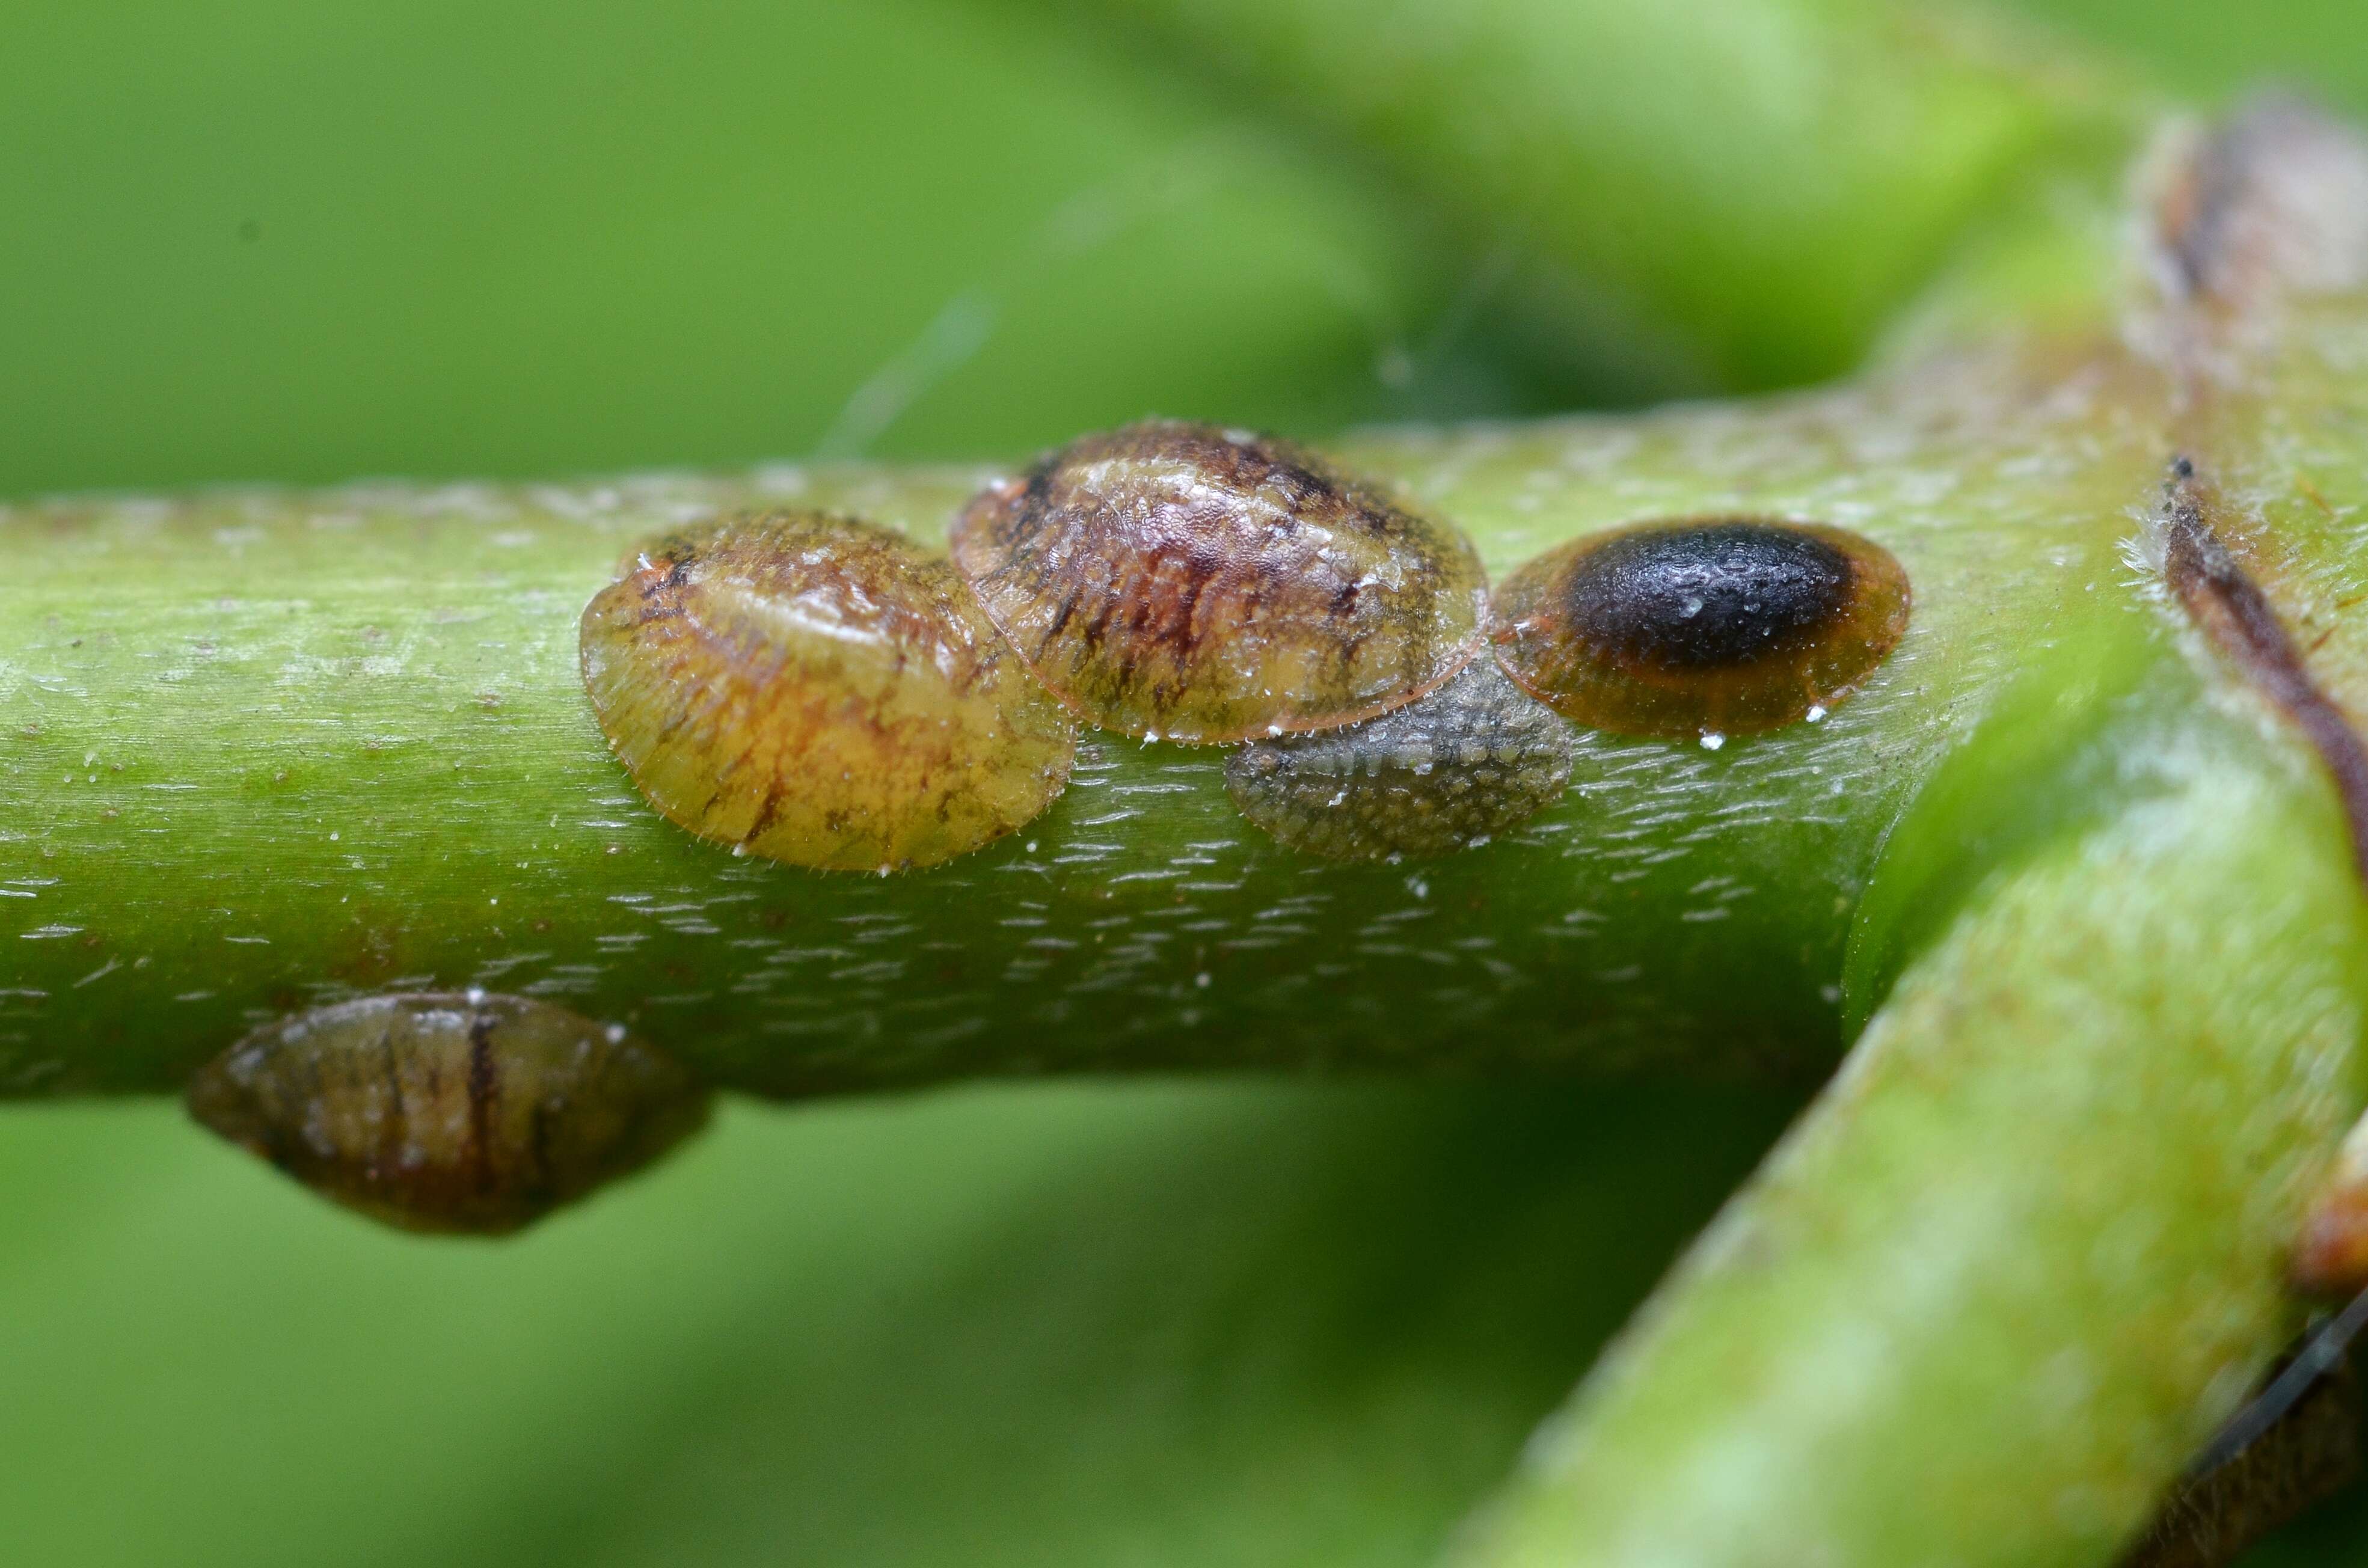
column 1472, row 760
column 1701, row 626
column 435, row 1111
column 1189, row 584
column 2329, row 1255
column 817, row 689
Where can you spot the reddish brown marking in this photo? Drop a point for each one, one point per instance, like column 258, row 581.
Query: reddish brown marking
column 1208, row 586
column 2271, row 203
column 2233, row 611
column 2330, row 1253
column 2194, row 214
column 484, row 1085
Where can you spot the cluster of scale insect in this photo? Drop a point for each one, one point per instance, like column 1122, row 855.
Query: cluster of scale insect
column 816, row 690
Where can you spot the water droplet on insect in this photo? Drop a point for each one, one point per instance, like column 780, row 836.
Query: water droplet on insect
column 1720, row 625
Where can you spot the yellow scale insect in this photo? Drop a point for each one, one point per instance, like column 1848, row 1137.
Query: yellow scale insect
column 814, row 689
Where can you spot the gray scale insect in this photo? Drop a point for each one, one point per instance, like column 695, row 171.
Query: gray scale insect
column 1474, row 759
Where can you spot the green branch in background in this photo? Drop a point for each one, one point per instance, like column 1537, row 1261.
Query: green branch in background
column 1737, row 195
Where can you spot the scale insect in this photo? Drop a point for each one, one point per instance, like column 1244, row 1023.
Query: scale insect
column 1709, row 626
column 1452, row 769
column 818, row 690
column 449, row 1112
column 1178, row 582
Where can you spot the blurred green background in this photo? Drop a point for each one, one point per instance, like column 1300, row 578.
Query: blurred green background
column 1089, row 1325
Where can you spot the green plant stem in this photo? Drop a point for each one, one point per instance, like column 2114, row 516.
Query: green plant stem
column 2022, row 1257
column 274, row 749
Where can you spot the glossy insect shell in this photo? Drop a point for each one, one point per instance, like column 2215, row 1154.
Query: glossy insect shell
column 818, row 690
column 435, row 1111
column 1474, row 758
column 2329, row 1255
column 1202, row 586
column 1700, row 626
